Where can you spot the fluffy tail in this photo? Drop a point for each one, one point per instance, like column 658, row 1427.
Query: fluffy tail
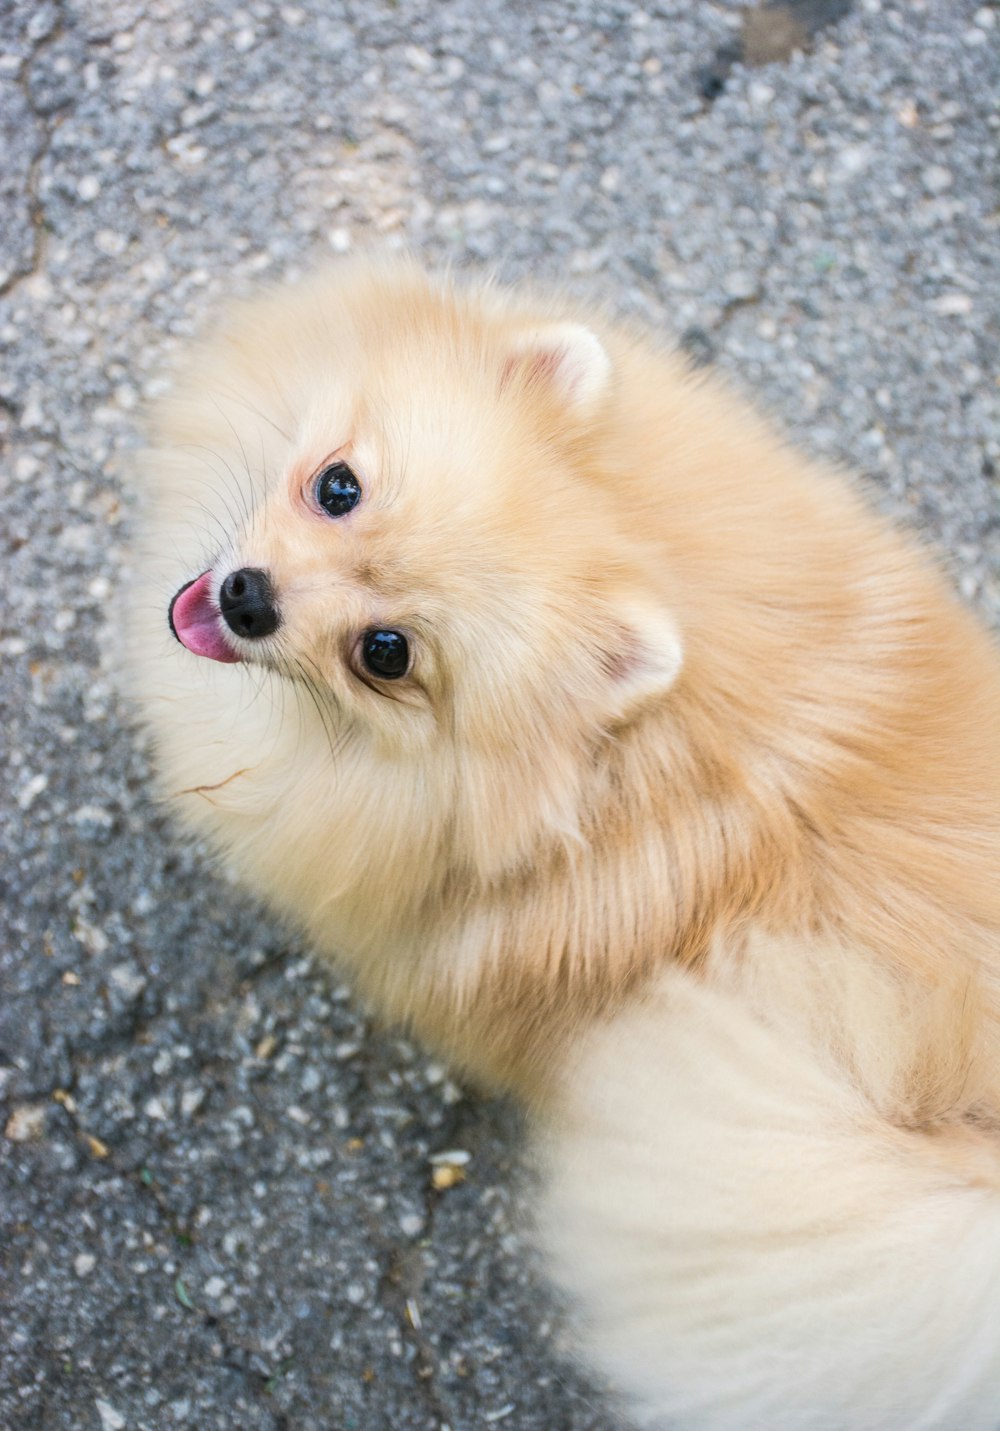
column 754, row 1248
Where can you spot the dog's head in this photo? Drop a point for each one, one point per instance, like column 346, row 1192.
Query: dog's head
column 420, row 530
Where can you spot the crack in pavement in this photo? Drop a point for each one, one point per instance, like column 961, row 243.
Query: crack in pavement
column 48, row 122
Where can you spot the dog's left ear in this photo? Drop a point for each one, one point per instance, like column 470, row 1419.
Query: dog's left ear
column 643, row 656
column 567, row 358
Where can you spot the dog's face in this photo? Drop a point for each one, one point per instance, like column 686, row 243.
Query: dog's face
column 426, row 549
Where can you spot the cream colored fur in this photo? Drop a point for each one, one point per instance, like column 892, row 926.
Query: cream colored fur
column 685, row 827
column 755, row 1247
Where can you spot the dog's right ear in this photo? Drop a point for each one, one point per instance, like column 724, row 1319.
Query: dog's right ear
column 643, row 657
column 567, row 359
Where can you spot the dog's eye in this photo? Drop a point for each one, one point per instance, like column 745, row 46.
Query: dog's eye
column 337, row 489
column 386, row 654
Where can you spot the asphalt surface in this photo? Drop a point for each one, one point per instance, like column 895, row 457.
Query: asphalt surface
column 217, row 1195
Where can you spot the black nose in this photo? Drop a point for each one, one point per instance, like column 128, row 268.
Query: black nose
column 246, row 600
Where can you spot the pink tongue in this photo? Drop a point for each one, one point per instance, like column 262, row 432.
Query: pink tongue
column 197, row 623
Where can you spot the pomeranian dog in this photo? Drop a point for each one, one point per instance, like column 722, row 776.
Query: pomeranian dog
column 637, row 766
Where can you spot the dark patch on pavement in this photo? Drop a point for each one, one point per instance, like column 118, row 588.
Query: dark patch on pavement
column 769, row 33
column 698, row 346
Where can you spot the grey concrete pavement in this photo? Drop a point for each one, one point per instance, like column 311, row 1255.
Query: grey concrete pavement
column 217, row 1195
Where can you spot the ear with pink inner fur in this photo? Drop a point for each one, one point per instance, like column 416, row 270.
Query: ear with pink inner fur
column 568, row 358
column 643, row 658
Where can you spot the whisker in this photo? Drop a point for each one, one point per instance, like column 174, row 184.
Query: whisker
column 246, row 461
column 259, row 412
column 321, row 711
column 230, row 510
column 337, row 727
column 282, row 397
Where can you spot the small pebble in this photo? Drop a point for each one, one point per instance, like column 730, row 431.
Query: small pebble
column 111, row 1420
column 26, row 1123
column 31, row 789
column 740, row 285
column 191, row 1101
column 937, row 178
column 952, row 304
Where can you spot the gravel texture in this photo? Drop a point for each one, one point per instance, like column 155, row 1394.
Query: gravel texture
column 218, row 1205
